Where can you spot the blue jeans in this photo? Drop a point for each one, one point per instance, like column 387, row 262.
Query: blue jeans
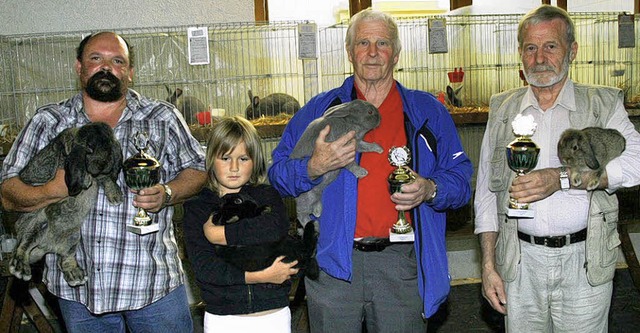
column 169, row 314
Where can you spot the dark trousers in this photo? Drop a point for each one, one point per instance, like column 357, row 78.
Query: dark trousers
column 383, row 295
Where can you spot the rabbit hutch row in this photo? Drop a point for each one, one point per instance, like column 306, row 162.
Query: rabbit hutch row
column 216, row 69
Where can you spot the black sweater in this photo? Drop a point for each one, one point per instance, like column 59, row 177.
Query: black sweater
column 222, row 285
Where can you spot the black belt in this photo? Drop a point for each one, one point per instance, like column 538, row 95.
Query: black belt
column 371, row 244
column 555, row 241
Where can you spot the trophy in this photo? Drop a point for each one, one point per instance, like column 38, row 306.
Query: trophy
column 401, row 231
column 522, row 157
column 141, row 171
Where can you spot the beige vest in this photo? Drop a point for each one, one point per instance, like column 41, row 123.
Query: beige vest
column 594, row 108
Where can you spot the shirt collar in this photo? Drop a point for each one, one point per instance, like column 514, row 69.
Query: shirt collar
column 566, row 98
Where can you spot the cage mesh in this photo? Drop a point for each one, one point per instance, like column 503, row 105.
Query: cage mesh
column 39, row 69
column 486, row 48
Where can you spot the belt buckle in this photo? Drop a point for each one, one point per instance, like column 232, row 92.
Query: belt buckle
column 375, row 245
column 555, row 241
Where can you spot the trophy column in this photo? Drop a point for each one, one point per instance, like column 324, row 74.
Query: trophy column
column 141, row 171
column 522, row 157
column 401, row 231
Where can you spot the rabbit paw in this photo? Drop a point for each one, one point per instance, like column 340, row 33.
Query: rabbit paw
column 20, row 268
column 75, row 277
column 370, row 147
column 73, row 274
column 593, row 184
column 357, row 170
column 115, row 198
column 317, row 209
column 576, row 179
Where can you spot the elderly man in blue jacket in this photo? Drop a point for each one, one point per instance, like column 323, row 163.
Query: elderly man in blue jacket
column 365, row 278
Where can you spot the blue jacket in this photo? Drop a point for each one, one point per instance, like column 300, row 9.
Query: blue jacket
column 450, row 168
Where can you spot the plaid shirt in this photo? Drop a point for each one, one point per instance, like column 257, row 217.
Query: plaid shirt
column 126, row 271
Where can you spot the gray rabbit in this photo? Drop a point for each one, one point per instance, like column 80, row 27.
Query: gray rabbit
column 91, row 157
column 271, row 105
column 359, row 116
column 189, row 106
column 588, row 151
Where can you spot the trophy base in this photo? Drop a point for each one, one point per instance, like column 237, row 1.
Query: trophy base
column 399, row 238
column 520, row 213
column 143, row 229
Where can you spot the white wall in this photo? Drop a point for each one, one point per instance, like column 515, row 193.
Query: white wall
column 37, row 16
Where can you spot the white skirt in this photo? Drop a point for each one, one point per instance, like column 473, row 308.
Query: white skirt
column 278, row 321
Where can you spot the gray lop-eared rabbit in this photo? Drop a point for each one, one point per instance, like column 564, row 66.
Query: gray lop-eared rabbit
column 271, row 105
column 358, row 116
column 91, row 157
column 588, row 151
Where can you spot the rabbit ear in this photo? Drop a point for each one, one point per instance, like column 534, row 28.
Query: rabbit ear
column 338, row 111
column 43, row 165
column 255, row 101
column 589, row 154
column 75, row 170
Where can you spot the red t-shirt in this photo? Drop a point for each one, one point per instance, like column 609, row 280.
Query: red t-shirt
column 376, row 212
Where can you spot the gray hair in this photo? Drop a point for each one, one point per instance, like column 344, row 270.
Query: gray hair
column 547, row 13
column 373, row 15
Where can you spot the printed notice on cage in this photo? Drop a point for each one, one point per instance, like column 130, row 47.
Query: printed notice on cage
column 438, row 36
column 198, row 45
column 307, row 41
column 626, row 34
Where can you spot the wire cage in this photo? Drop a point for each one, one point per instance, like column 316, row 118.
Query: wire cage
column 485, row 48
column 261, row 57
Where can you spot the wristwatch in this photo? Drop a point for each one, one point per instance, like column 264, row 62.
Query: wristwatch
column 167, row 194
column 435, row 191
column 564, row 179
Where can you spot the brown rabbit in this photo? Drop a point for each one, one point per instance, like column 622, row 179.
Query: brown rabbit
column 588, row 151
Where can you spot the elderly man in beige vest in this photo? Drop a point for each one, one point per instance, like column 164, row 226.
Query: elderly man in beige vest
column 552, row 272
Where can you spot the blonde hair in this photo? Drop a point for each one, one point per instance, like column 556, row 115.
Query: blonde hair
column 225, row 137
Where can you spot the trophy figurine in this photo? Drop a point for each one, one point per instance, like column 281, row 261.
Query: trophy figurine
column 141, row 171
column 522, row 157
column 399, row 157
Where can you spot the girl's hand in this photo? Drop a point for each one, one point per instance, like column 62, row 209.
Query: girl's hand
column 277, row 273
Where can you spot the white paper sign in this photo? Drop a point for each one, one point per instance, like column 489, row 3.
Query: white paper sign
column 307, row 41
column 198, row 45
column 438, row 36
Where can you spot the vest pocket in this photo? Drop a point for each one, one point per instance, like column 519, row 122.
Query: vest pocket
column 498, row 181
column 602, row 247
column 610, row 239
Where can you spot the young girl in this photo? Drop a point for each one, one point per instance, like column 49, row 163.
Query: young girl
column 238, row 301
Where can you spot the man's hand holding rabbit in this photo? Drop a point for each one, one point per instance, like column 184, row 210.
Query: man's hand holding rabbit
column 329, row 156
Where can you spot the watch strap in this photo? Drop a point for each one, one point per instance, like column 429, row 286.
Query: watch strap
column 564, row 179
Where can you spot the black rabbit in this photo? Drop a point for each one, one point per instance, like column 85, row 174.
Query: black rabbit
column 249, row 258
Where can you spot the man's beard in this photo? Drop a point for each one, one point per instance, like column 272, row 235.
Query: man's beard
column 103, row 86
column 535, row 81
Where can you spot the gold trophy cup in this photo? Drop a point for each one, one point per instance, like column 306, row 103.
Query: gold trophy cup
column 141, row 171
column 522, row 157
column 401, row 231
